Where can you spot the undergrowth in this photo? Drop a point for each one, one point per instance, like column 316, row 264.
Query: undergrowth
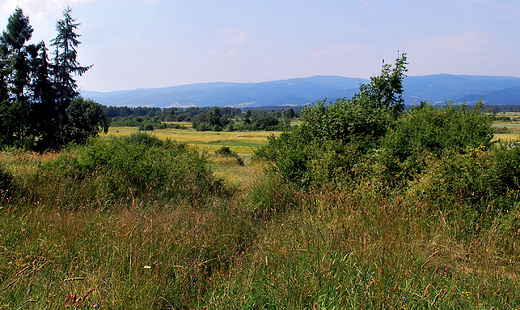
column 325, row 249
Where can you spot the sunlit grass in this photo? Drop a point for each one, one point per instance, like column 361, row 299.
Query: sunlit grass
column 240, row 142
column 234, row 174
column 265, row 246
column 507, row 137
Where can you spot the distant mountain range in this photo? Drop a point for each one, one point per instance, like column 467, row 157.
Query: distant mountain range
column 493, row 90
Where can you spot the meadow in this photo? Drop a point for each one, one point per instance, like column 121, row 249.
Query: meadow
column 511, row 122
column 132, row 221
column 243, row 143
column 257, row 243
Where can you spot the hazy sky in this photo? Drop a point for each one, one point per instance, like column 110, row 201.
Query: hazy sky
column 158, row 43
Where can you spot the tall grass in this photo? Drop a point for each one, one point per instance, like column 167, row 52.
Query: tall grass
column 330, row 250
column 266, row 245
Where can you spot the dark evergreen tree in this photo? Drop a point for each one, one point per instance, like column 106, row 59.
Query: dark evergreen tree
column 36, row 96
column 43, row 114
column 66, row 67
column 14, row 79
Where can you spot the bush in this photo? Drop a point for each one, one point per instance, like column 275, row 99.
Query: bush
column 429, row 131
column 125, row 169
column 146, row 127
column 488, row 181
column 333, row 138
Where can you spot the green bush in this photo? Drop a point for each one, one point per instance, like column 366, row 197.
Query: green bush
column 488, row 181
column 146, row 139
column 225, row 151
column 430, row 131
column 333, row 138
column 125, row 169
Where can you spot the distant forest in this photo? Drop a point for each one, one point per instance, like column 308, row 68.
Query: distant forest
column 250, row 118
column 204, row 118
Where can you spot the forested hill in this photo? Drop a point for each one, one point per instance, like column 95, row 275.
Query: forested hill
column 434, row 88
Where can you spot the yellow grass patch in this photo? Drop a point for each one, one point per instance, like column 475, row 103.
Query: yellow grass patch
column 243, row 143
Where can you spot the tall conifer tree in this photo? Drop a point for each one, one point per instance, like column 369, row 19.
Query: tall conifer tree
column 66, row 66
column 14, row 78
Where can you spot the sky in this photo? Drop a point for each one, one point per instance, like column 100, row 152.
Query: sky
column 159, row 43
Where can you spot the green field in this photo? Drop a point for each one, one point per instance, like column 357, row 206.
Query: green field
column 243, row 143
column 95, row 227
column 512, row 125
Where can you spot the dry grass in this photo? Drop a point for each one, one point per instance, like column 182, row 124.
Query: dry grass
column 242, row 143
column 235, row 175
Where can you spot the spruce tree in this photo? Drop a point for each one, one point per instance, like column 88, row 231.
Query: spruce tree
column 14, row 79
column 66, row 67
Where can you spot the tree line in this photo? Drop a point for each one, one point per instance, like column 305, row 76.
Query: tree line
column 203, row 118
column 40, row 106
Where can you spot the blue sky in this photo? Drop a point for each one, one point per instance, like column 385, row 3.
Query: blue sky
column 158, row 43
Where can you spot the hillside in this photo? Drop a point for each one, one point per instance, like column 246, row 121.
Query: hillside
column 434, row 88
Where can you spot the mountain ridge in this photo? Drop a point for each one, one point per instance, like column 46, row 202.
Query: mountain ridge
column 300, row 91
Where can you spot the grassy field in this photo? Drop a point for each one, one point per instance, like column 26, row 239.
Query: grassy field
column 260, row 244
column 243, row 143
column 513, row 126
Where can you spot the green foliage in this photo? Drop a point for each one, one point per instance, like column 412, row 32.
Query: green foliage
column 364, row 118
column 426, row 131
column 226, row 152
column 66, row 65
column 125, row 169
column 488, row 181
column 86, row 119
column 36, row 96
column 270, row 197
column 333, row 137
column 148, row 140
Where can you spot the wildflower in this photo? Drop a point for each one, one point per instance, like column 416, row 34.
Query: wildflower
column 147, row 267
column 95, row 306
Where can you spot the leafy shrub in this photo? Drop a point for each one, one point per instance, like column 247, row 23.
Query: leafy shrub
column 334, row 137
column 489, row 181
column 124, row 169
column 86, row 119
column 146, row 139
column 429, row 130
column 146, row 127
column 226, row 152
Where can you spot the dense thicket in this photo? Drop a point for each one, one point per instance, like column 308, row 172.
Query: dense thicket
column 441, row 155
column 107, row 172
column 333, row 137
column 40, row 107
